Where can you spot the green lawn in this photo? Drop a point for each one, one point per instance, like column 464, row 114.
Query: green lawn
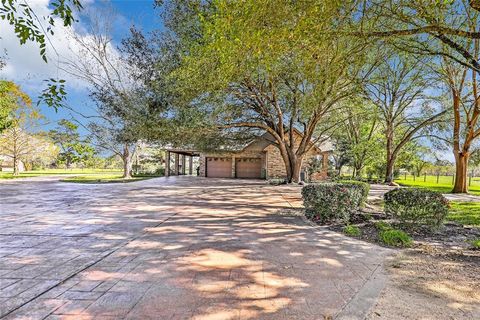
column 466, row 213
column 444, row 185
column 49, row 172
column 103, row 178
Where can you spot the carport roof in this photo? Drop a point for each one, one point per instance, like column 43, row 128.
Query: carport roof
column 193, row 153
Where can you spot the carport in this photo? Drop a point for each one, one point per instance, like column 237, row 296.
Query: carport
column 181, row 159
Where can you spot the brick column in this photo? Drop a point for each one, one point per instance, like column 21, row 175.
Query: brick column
column 176, row 164
column 183, row 164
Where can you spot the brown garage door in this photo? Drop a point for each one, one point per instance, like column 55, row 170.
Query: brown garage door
column 248, row 168
column 219, row 167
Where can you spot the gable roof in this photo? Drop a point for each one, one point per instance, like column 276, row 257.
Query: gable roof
column 266, row 139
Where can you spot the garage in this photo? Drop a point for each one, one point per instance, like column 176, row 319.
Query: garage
column 219, row 167
column 248, row 168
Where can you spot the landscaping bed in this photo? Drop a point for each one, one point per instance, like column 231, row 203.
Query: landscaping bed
column 451, row 236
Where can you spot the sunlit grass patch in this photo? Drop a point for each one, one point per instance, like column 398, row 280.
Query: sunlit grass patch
column 466, row 213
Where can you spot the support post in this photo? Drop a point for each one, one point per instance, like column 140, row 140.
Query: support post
column 177, row 164
column 190, row 165
column 183, row 164
column 167, row 164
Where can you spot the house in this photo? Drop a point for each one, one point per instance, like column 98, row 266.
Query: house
column 6, row 165
column 260, row 159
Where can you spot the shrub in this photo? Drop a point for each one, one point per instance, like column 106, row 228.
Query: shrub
column 352, row 231
column 365, row 187
column 476, row 244
column 276, row 181
column 382, row 225
column 417, row 206
column 395, row 238
column 328, row 202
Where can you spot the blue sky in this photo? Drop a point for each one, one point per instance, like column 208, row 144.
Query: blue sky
column 25, row 67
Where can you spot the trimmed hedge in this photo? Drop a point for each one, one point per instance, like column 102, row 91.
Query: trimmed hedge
column 363, row 185
column 417, row 206
column 331, row 202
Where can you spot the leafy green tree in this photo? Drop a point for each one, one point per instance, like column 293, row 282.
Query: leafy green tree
column 12, row 98
column 73, row 149
column 291, row 82
column 18, row 142
column 398, row 88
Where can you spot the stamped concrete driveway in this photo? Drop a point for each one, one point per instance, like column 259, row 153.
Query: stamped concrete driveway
column 173, row 248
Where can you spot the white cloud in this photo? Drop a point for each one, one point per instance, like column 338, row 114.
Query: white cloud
column 24, row 64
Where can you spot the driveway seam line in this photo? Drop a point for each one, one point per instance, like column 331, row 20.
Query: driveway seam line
column 88, row 266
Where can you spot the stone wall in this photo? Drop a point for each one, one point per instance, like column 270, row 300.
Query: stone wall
column 276, row 166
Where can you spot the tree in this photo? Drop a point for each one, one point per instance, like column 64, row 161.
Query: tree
column 414, row 158
column 424, row 27
column 449, row 31
column 291, row 82
column 11, row 99
column 73, row 148
column 360, row 132
column 121, row 113
column 16, row 142
column 398, row 89
column 462, row 84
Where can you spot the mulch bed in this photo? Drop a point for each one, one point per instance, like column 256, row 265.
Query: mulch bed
column 452, row 237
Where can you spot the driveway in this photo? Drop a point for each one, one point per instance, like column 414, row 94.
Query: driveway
column 174, row 248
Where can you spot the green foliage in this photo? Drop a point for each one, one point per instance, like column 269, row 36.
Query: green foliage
column 330, row 202
column 382, row 225
column 352, row 231
column 395, row 238
column 417, row 206
column 12, row 98
column 365, row 187
column 476, row 243
column 73, row 149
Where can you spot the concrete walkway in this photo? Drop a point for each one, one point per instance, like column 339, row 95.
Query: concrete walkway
column 174, row 248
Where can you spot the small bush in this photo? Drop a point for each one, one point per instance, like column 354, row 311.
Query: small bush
column 476, row 244
column 417, row 206
column 352, row 231
column 276, row 181
column 382, row 226
column 329, row 202
column 365, row 187
column 395, row 238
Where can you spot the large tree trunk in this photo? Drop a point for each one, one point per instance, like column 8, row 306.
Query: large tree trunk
column 389, row 170
column 127, row 163
column 296, row 169
column 461, row 166
column 293, row 165
column 390, row 159
column 15, row 166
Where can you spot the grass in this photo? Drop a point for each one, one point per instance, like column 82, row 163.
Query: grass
column 395, row 238
column 50, row 172
column 466, row 213
column 352, row 231
column 103, row 178
column 444, row 185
